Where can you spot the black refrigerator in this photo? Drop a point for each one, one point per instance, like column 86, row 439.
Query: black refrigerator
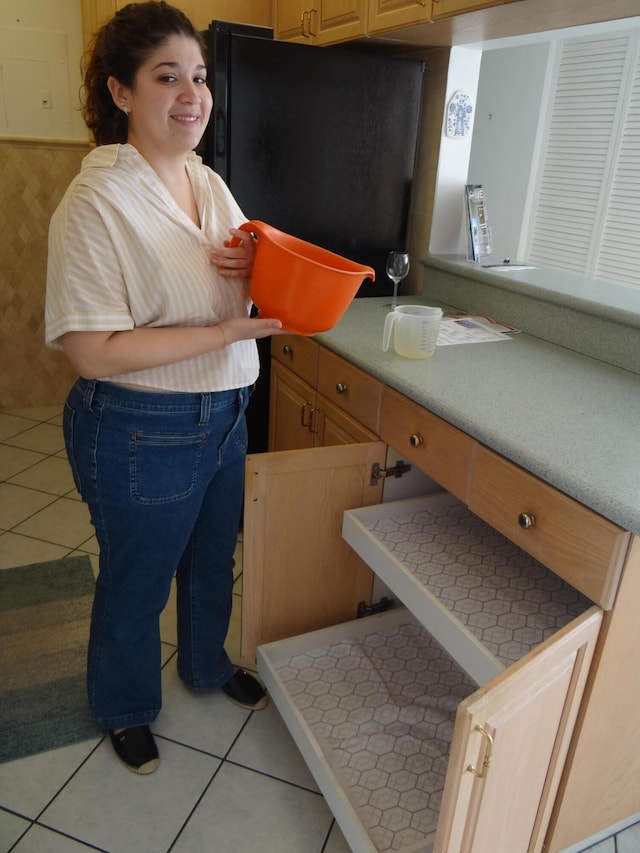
column 319, row 142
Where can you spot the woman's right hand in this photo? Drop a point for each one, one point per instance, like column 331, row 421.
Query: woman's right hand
column 245, row 328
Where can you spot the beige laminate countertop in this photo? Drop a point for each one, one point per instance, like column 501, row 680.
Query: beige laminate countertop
column 569, row 419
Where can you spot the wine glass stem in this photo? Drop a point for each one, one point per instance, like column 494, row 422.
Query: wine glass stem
column 394, row 301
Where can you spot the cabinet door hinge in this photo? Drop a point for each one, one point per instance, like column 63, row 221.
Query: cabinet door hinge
column 377, row 607
column 377, row 473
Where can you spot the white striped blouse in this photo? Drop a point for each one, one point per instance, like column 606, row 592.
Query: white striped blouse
column 123, row 254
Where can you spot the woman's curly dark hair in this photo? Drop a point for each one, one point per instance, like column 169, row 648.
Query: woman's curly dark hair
column 118, row 50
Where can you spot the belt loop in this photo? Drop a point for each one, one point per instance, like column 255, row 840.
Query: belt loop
column 89, row 391
column 205, row 409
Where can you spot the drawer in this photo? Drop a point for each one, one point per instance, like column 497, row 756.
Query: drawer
column 297, row 353
column 581, row 546
column 437, row 448
column 349, row 388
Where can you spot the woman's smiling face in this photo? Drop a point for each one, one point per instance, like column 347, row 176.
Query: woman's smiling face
column 170, row 103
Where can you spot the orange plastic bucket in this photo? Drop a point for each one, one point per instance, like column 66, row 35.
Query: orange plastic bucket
column 304, row 286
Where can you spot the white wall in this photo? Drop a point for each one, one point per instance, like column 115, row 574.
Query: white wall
column 40, row 52
column 510, row 95
column 447, row 232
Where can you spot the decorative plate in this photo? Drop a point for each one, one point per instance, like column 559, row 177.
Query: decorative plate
column 459, row 111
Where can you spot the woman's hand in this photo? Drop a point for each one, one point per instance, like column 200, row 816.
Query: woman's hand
column 235, row 260
column 98, row 354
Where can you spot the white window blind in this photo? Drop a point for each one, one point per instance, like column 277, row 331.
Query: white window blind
column 586, row 210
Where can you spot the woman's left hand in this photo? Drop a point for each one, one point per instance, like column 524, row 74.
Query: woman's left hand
column 235, row 260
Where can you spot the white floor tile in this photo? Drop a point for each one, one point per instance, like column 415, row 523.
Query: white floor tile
column 606, row 846
column 52, row 474
column 245, row 811
column 168, row 627
column 11, row 425
column 266, row 745
column 63, row 522
column 336, row 842
column 41, row 840
column 27, row 785
column 14, row 459
column 18, row 550
column 206, row 721
column 18, row 503
column 11, row 828
column 629, row 840
column 45, row 438
column 109, row 806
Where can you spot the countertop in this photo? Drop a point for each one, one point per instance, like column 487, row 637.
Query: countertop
column 572, row 420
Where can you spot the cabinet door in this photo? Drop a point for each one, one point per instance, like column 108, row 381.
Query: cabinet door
column 292, row 20
column 448, row 8
column 298, row 572
column 388, row 14
column 338, row 20
column 333, row 426
column 292, row 405
column 509, row 745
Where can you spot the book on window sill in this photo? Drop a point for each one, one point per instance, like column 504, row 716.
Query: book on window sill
column 478, row 229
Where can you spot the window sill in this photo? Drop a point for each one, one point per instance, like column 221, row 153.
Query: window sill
column 598, row 319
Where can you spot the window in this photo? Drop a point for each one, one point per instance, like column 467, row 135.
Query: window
column 585, row 214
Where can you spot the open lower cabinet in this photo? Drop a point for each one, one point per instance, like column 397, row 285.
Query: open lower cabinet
column 444, row 723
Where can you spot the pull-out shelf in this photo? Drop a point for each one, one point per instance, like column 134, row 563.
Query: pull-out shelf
column 387, row 711
column 482, row 597
column 371, row 705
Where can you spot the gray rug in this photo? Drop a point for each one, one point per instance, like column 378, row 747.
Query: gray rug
column 44, row 627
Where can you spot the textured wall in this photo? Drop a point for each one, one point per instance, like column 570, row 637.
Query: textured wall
column 33, row 177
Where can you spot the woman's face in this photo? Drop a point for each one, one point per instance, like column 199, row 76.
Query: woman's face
column 170, row 102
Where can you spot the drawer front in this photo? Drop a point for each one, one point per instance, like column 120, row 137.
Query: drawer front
column 297, row 353
column 437, row 448
column 576, row 543
column 349, row 388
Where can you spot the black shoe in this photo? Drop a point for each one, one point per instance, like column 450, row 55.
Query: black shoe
column 136, row 748
column 246, row 691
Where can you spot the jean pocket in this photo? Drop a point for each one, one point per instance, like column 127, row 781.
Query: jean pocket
column 164, row 466
column 68, row 422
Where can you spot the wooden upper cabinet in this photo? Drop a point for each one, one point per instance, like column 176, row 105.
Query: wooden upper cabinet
column 291, row 20
column 320, row 22
column 449, row 8
column 340, row 20
column 389, row 14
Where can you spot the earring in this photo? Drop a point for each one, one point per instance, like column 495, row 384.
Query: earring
column 125, row 109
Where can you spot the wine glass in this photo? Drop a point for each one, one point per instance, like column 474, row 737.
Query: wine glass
column 397, row 269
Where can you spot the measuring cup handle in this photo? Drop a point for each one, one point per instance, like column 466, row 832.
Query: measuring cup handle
column 388, row 327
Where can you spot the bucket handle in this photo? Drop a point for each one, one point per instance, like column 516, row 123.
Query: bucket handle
column 261, row 228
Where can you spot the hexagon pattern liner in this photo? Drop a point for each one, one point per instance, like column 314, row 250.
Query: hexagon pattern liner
column 382, row 706
column 505, row 597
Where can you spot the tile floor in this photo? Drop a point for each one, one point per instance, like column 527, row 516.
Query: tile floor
column 230, row 780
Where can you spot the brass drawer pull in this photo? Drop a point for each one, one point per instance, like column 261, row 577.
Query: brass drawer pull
column 305, row 414
column 481, row 774
column 416, row 440
column 526, row 520
column 341, row 388
column 286, row 349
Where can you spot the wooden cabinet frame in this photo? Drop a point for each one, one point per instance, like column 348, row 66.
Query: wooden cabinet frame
column 294, row 505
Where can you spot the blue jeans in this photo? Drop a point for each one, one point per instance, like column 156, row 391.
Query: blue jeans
column 163, row 477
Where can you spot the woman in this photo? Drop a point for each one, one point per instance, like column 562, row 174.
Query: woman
column 149, row 301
